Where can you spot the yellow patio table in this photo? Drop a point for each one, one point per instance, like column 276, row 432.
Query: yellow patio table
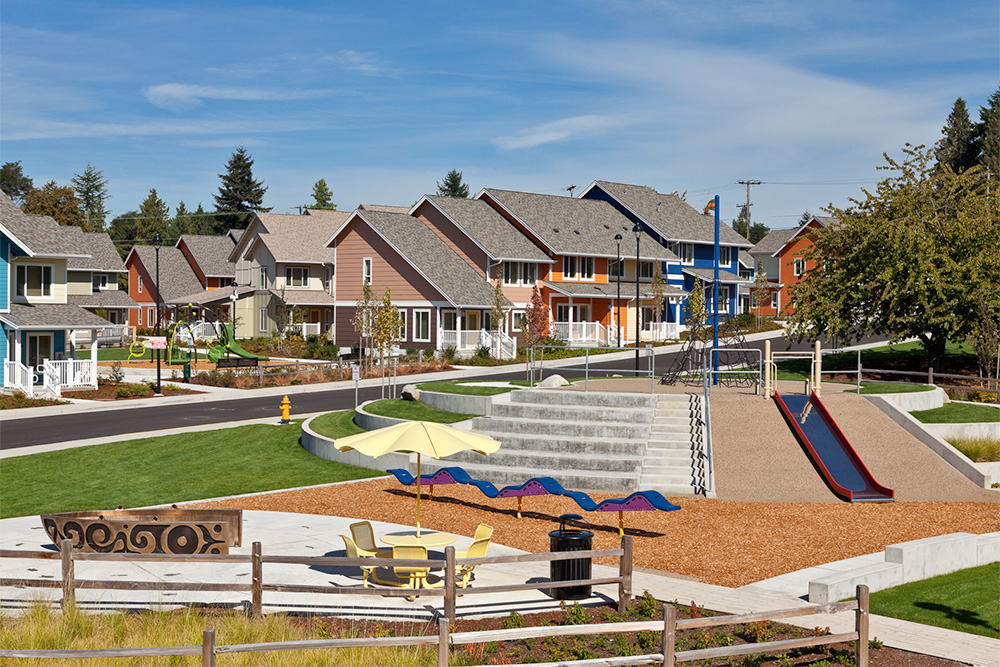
column 410, row 538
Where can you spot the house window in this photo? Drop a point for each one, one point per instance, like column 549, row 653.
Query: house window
column 724, row 304
column 646, row 270
column 569, row 268
column 402, row 324
column 616, row 268
column 449, row 320
column 511, row 273
column 139, row 318
column 798, row 266
column 517, row 322
column 262, row 319
column 34, row 280
column 774, row 299
column 686, row 252
column 297, row 276
column 529, row 272
column 151, row 317
column 422, row 326
column 100, row 281
column 140, row 292
column 327, row 279
column 263, row 278
column 586, row 268
column 647, row 318
column 725, row 255
column 366, row 270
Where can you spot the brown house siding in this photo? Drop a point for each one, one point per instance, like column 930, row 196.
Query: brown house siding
column 456, row 239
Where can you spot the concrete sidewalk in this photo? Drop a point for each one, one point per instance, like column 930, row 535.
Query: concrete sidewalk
column 308, row 534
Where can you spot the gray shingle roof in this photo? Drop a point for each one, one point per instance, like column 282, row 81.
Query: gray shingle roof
column 497, row 235
column 577, row 226
column 39, row 233
column 746, row 259
column 300, row 238
column 52, row 316
column 773, row 242
column 671, row 216
column 177, row 278
column 103, row 255
column 212, row 254
column 305, row 297
column 218, row 295
column 111, row 298
column 384, row 208
column 451, row 274
column 708, row 275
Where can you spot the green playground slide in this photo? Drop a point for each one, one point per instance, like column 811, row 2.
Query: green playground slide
column 227, row 341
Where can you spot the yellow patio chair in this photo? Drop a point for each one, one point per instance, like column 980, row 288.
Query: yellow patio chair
column 352, row 552
column 482, row 530
column 417, row 575
column 364, row 539
column 476, row 550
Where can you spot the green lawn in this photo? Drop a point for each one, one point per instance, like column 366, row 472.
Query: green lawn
column 877, row 358
column 413, row 410
column 170, row 469
column 336, row 424
column 894, row 387
column 958, row 413
column 121, row 354
column 967, row 601
column 467, row 389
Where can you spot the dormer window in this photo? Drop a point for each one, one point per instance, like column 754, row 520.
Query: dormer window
column 34, row 280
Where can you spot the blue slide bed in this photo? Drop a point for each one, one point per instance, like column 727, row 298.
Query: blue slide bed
column 829, row 450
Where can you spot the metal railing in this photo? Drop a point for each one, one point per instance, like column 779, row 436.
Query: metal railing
column 707, row 422
column 536, row 362
column 19, row 377
column 737, row 369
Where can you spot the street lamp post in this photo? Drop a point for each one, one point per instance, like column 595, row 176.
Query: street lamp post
column 232, row 311
column 156, row 241
column 637, row 230
column 618, row 280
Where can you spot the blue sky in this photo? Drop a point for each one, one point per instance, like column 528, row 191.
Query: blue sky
column 383, row 98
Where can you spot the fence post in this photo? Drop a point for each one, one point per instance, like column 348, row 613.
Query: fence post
column 443, row 642
column 861, row 617
column 625, row 572
column 260, row 374
column 449, row 582
column 208, row 647
column 930, row 375
column 669, row 637
column 296, row 365
column 68, row 584
column 257, row 581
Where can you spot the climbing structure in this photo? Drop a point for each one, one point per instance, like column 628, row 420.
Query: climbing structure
column 696, row 355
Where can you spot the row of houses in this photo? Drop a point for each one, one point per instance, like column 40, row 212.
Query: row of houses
column 593, row 258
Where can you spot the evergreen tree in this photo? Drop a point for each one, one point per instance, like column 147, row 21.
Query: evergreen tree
column 758, row 230
column 57, row 201
column 805, row 217
column 988, row 136
column 182, row 223
column 957, row 148
column 452, row 185
column 92, row 189
column 124, row 230
column 14, row 182
column 153, row 214
column 322, row 197
column 239, row 192
column 742, row 223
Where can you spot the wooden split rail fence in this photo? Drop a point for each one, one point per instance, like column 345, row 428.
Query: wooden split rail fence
column 668, row 628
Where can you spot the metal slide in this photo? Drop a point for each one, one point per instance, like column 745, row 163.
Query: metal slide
column 829, row 449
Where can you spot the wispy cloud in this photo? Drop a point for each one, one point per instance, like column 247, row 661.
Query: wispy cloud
column 182, row 97
column 559, row 130
column 356, row 61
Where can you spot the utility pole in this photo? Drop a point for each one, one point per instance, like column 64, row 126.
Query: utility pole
column 570, row 189
column 748, row 183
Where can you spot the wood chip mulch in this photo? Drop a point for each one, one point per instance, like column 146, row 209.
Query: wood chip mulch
column 729, row 543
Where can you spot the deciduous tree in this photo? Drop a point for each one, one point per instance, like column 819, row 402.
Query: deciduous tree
column 761, row 291
column 498, row 315
column 14, row 182
column 452, row 185
column 908, row 259
column 57, row 201
column 125, row 231
column 322, row 197
column 534, row 323
column 658, row 288
column 92, row 190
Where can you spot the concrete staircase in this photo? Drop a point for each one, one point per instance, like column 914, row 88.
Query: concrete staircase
column 586, row 441
column 676, row 461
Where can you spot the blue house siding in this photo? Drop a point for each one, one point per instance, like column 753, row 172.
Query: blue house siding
column 4, row 273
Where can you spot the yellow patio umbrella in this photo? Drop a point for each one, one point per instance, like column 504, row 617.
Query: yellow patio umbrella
column 423, row 438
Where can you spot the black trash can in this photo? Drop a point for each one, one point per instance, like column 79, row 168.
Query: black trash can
column 572, row 569
column 187, row 372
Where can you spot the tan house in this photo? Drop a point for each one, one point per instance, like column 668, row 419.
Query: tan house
column 92, row 283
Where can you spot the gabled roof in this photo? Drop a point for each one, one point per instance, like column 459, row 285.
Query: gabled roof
column 708, row 275
column 431, row 257
column 109, row 298
column 103, row 255
column 218, row 295
column 177, row 278
column 495, row 234
column 384, row 208
column 292, row 238
column 38, row 235
column 211, row 254
column 672, row 217
column 51, row 316
column 746, row 259
column 571, row 226
column 777, row 239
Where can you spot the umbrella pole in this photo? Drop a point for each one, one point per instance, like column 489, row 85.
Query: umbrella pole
column 418, row 494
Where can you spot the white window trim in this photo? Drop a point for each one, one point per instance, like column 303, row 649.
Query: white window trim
column 511, row 267
column 684, row 249
column 262, row 323
column 798, row 267
column 262, row 278
column 151, row 317
column 417, row 312
column 517, row 316
column 102, row 281
column 774, row 299
column 725, row 255
column 139, row 322
column 139, row 286
column 652, row 269
column 724, row 296
column 367, row 270
column 18, row 284
column 620, row 265
column 593, row 269
column 290, row 271
column 570, row 261
column 534, row 272
column 403, row 328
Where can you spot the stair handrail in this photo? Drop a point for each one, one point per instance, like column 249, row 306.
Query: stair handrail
column 709, row 486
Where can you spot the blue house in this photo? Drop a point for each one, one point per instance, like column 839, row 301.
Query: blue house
column 36, row 316
column 689, row 234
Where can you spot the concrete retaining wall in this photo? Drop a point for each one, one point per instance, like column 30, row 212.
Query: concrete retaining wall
column 910, row 561
column 460, row 403
column 326, row 448
column 917, row 400
column 370, row 422
column 965, row 431
column 952, row 456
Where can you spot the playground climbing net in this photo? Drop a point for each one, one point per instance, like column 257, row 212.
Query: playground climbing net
column 695, row 357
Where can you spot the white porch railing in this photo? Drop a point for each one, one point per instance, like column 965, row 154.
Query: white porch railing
column 199, row 329
column 304, row 328
column 468, row 339
column 69, row 374
column 581, row 332
column 657, row 331
column 502, row 344
column 121, row 335
column 18, row 377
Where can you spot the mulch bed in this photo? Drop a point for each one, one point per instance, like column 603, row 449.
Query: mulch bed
column 106, row 392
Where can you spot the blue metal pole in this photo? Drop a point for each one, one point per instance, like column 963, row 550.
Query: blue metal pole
column 715, row 300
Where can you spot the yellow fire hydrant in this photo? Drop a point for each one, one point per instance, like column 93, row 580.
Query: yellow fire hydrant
column 286, row 407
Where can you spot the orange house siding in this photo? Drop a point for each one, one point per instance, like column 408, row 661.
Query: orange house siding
column 147, row 297
column 797, row 248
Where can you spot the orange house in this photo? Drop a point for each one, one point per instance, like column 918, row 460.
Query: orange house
column 781, row 256
column 177, row 279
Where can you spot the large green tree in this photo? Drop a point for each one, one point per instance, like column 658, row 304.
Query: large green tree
column 452, row 185
column 239, row 192
column 752, row 231
column 153, row 216
column 957, row 146
column 908, row 259
column 92, row 189
column 14, row 182
column 126, row 231
column 322, row 197
column 988, row 135
column 58, row 201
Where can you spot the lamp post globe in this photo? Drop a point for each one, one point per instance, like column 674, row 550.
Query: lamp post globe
column 618, row 281
column 637, row 230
